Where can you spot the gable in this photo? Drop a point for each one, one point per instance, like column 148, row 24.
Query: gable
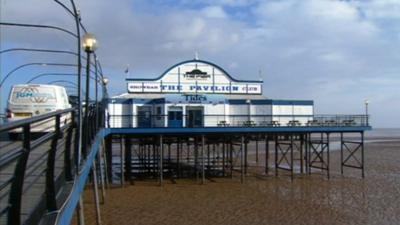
column 195, row 76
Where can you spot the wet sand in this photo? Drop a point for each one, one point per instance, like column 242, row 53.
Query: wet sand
column 307, row 200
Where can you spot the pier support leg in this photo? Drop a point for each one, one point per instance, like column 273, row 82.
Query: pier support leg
column 257, row 150
column 317, row 158
column 231, row 157
column 169, row 159
column 328, row 155
column 96, row 193
column 362, row 154
column 291, row 158
column 203, row 177
column 160, row 161
column 208, row 160
column 101, row 171
column 245, row 156
column 108, row 147
column 196, row 159
column 223, row 157
column 178, row 147
column 242, row 161
column 105, row 163
column 341, row 153
column 122, row 161
column 266, row 154
column 128, row 159
column 355, row 154
column 276, row 155
column 80, row 212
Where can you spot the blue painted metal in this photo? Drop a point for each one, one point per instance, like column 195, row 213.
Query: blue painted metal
column 68, row 209
column 192, row 61
column 213, row 130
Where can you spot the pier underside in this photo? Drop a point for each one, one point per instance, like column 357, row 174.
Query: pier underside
column 203, row 153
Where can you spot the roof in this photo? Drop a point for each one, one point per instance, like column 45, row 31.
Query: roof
column 193, row 61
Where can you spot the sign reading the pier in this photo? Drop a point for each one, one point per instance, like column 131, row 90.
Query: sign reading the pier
column 195, row 77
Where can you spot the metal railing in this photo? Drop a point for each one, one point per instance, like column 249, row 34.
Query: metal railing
column 36, row 169
column 154, row 121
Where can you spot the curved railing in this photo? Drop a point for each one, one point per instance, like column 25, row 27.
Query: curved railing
column 38, row 169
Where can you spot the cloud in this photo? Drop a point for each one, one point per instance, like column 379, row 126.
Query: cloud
column 336, row 52
column 214, row 12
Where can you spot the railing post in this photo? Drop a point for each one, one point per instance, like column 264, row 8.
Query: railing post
column 67, row 156
column 51, row 201
column 15, row 199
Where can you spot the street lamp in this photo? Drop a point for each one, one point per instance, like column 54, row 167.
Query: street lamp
column 366, row 110
column 248, row 102
column 103, row 102
column 89, row 45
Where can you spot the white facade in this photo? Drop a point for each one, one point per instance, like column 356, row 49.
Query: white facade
column 197, row 93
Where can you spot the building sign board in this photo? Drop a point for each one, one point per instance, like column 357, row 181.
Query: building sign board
column 195, row 77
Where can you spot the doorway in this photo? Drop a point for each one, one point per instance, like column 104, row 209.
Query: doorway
column 144, row 116
column 195, row 116
column 175, row 117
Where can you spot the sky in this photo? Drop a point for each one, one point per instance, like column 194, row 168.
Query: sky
column 338, row 53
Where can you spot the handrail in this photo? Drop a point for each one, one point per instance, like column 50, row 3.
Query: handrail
column 24, row 170
column 34, row 119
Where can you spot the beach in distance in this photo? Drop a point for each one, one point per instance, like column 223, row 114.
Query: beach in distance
column 308, row 199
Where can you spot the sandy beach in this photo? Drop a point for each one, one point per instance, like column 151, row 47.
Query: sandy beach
column 307, row 200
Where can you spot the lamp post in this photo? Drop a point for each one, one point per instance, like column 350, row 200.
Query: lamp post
column 104, row 99
column 366, row 110
column 89, row 45
column 248, row 102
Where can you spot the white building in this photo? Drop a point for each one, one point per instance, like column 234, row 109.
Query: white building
column 197, row 93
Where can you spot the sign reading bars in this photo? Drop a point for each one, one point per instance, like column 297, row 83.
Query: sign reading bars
column 195, row 76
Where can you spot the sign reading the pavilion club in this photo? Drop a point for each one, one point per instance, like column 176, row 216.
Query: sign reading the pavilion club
column 194, row 76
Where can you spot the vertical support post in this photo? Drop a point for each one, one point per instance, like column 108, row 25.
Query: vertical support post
column 128, row 159
column 266, row 154
column 101, row 171
column 341, row 153
column 301, row 153
column 161, row 156
column 208, row 160
column 276, row 154
column 231, row 156
column 80, row 212
column 96, row 193
column 196, row 158
column 51, row 201
column 291, row 158
column 306, row 151
column 67, row 153
column 122, row 152
column 257, row 149
column 108, row 148
column 245, row 156
column 14, row 202
column 310, row 145
column 178, row 149
column 203, row 177
column 362, row 154
column 328, row 155
column 242, row 163
column 169, row 158
column 223, row 157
